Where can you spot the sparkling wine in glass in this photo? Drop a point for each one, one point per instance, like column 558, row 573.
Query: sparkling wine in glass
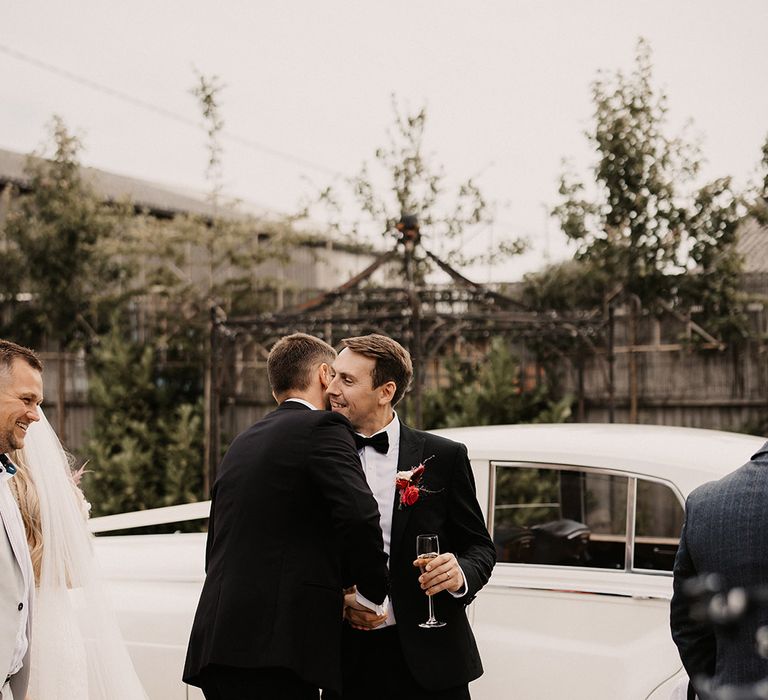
column 428, row 547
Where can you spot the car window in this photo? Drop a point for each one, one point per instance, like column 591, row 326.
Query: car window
column 658, row 520
column 564, row 517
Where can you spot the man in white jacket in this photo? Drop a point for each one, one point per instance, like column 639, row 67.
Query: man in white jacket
column 21, row 393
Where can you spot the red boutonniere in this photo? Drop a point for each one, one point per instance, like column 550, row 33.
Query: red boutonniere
column 409, row 484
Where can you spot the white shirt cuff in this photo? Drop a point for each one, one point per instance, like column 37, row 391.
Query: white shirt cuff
column 378, row 609
column 463, row 590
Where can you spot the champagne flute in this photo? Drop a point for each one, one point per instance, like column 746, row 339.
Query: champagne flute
column 428, row 547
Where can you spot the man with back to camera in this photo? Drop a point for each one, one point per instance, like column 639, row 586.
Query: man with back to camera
column 290, row 509
column 725, row 533
column 21, row 393
column 389, row 657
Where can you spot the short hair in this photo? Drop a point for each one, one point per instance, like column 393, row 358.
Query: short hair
column 392, row 361
column 11, row 351
column 293, row 359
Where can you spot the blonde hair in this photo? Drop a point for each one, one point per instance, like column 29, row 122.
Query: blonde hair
column 23, row 488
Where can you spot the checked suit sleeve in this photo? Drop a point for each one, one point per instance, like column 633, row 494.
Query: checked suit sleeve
column 695, row 640
column 472, row 544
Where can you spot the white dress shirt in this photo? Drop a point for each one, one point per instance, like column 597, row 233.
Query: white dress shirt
column 14, row 527
column 380, row 471
column 302, row 401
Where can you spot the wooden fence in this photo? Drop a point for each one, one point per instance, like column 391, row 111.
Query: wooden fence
column 671, row 380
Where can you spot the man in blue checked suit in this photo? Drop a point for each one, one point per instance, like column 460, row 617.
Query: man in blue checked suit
column 725, row 533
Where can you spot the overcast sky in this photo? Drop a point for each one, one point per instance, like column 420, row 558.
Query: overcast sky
column 308, row 84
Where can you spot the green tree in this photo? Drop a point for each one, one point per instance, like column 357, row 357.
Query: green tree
column 412, row 185
column 489, row 392
column 647, row 229
column 148, row 386
column 225, row 258
column 146, row 443
column 758, row 206
column 567, row 286
column 60, row 242
column 226, row 247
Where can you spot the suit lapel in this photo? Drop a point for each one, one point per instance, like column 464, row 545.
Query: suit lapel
column 10, row 516
column 411, row 452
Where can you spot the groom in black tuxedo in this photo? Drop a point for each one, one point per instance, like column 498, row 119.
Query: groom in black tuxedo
column 290, row 511
column 388, row 656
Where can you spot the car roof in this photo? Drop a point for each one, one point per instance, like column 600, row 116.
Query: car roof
column 685, row 456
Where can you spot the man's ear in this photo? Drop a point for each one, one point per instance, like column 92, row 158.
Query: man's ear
column 387, row 392
column 324, row 373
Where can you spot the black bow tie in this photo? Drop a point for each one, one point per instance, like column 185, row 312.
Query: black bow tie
column 379, row 442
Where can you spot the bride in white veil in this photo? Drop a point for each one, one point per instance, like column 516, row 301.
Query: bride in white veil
column 77, row 650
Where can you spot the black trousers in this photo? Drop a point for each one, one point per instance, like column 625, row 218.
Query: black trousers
column 374, row 669
column 230, row 683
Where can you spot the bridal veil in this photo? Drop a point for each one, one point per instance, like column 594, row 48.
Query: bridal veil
column 77, row 648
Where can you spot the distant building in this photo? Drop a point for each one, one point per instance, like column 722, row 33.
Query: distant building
column 318, row 263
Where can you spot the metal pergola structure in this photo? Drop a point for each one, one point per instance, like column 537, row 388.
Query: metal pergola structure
column 426, row 319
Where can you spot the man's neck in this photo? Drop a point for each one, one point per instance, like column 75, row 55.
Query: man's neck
column 376, row 423
column 315, row 398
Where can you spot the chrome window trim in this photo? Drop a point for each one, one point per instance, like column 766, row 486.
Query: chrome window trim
column 563, row 467
column 578, row 580
column 664, row 482
column 491, row 496
column 576, row 592
column 651, row 572
column 629, row 543
column 561, row 567
column 631, row 477
column 681, row 501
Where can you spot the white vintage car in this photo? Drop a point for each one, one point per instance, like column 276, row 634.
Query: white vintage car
column 585, row 519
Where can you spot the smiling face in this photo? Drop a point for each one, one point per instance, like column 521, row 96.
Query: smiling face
column 351, row 393
column 21, row 393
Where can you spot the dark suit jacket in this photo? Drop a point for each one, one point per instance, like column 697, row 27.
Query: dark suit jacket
column 726, row 533
column 445, row 657
column 290, row 508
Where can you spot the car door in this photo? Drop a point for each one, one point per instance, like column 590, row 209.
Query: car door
column 578, row 603
column 154, row 584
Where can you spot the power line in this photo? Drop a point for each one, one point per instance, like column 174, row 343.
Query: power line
column 180, row 118
column 161, row 111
